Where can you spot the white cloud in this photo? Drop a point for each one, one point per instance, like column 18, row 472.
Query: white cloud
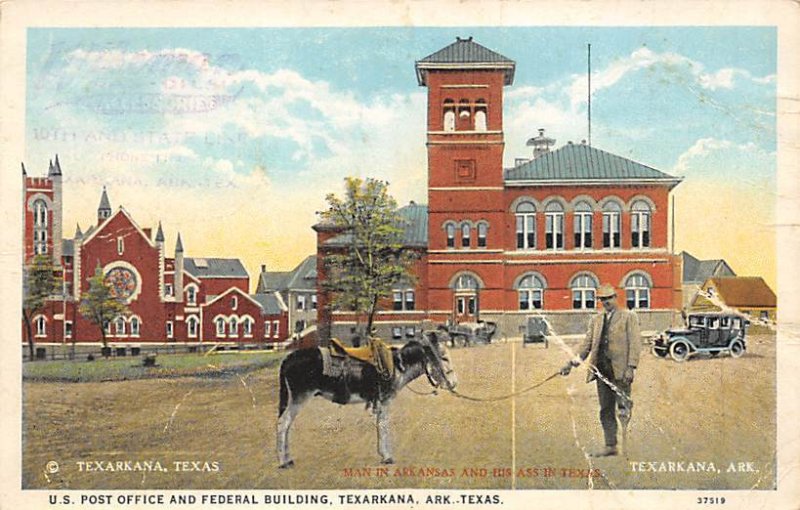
column 705, row 147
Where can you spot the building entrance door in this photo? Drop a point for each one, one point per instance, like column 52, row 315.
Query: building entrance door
column 466, row 308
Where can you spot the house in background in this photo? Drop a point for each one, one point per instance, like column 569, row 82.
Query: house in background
column 749, row 295
column 297, row 288
column 696, row 272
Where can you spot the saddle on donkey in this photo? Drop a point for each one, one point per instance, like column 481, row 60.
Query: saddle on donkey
column 346, row 363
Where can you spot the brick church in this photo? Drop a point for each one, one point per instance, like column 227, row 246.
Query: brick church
column 502, row 244
column 170, row 299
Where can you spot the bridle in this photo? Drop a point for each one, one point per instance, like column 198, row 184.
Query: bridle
column 427, row 345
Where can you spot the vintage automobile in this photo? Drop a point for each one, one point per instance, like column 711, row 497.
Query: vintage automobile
column 468, row 333
column 534, row 331
column 706, row 333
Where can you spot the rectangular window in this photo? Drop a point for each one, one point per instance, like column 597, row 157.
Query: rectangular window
column 397, row 332
column 465, row 234
column 67, row 329
column 765, row 315
column 410, row 332
column 451, row 235
column 397, row 300
column 640, row 230
column 168, row 289
column 526, row 231
column 120, row 246
column 276, row 328
column 554, row 231
column 410, row 300
column 301, row 302
column 170, row 332
column 611, row 228
column 313, row 301
column 233, row 327
column 583, row 299
column 248, row 327
column 482, row 230
column 583, row 230
column 267, row 328
column 220, row 327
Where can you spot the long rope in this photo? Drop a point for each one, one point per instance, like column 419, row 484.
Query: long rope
column 507, row 396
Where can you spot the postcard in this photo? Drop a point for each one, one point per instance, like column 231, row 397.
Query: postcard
column 402, row 255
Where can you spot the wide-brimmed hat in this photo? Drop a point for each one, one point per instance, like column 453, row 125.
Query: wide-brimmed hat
column 606, row 291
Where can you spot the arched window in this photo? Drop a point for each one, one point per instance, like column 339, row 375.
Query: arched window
column 582, row 225
column 466, row 281
column 39, row 227
column 612, row 212
column 526, row 226
column 464, row 114
column 450, row 230
column 247, row 326
column 583, row 291
column 119, row 326
column 192, row 324
column 233, row 326
column 483, row 229
column 220, row 322
column 191, row 294
column 530, row 292
column 135, row 325
column 637, row 291
column 449, row 115
column 41, row 325
column 554, row 226
column 39, row 213
column 465, row 235
column 480, row 115
column 640, row 224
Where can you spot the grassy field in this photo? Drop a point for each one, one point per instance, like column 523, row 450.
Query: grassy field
column 167, row 365
column 719, row 410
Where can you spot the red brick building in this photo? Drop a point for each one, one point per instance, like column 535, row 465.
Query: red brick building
column 170, row 299
column 502, row 244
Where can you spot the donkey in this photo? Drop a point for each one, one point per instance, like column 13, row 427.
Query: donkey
column 301, row 377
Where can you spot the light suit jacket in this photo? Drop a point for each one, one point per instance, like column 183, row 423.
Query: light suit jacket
column 624, row 342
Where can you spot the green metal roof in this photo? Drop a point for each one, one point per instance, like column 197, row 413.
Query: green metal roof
column 465, row 54
column 584, row 162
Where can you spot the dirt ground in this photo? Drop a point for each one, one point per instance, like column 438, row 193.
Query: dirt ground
column 706, row 410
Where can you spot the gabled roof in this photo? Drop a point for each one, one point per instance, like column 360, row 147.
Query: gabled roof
column 272, row 281
column 215, row 268
column 271, row 303
column 465, row 54
column 698, row 271
column 744, row 291
column 415, row 227
column 581, row 162
column 92, row 232
column 302, row 277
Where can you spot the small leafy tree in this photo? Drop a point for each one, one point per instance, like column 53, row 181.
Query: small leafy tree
column 40, row 283
column 99, row 304
column 371, row 259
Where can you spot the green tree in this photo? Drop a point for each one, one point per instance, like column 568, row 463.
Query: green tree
column 40, row 283
column 99, row 304
column 371, row 260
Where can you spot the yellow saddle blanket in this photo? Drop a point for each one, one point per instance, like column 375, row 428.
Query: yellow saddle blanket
column 375, row 352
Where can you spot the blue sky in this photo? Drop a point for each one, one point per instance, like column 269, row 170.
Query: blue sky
column 223, row 115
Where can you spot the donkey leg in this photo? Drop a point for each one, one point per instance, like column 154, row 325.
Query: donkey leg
column 284, row 424
column 382, row 425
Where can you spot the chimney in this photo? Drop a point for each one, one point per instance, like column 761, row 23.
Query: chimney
column 263, row 268
column 541, row 144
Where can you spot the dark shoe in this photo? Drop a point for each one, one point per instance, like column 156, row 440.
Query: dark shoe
column 608, row 451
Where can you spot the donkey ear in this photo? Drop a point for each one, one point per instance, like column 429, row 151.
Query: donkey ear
column 432, row 337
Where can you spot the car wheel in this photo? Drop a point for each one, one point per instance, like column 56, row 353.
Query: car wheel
column 737, row 349
column 660, row 352
column 679, row 351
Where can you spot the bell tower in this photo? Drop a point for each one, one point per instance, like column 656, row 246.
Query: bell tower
column 465, row 142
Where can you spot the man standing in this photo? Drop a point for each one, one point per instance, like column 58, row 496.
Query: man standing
column 612, row 344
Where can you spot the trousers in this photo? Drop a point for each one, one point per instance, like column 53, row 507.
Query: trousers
column 610, row 401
